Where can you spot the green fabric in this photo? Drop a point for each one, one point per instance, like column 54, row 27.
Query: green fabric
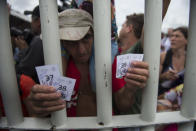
column 136, row 48
column 135, row 109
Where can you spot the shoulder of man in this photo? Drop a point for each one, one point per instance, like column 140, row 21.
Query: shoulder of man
column 36, row 40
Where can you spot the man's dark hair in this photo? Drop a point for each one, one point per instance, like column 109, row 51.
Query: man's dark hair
column 87, row 6
column 137, row 20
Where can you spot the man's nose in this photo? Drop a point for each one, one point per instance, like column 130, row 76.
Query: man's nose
column 81, row 47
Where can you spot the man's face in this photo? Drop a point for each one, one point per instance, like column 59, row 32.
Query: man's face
column 80, row 50
column 36, row 25
column 124, row 30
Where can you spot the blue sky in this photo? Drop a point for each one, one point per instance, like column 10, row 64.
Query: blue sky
column 177, row 15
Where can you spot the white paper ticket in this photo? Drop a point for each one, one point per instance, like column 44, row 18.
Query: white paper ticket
column 50, row 75
column 124, row 62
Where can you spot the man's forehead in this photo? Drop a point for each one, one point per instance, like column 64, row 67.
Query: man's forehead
column 90, row 32
column 33, row 17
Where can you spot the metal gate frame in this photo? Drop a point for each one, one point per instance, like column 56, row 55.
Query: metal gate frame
column 104, row 120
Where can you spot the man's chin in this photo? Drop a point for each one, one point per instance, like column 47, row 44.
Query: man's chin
column 83, row 59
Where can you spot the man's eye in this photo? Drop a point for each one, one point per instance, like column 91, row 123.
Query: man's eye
column 88, row 36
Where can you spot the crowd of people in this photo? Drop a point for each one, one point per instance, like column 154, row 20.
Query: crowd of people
column 76, row 36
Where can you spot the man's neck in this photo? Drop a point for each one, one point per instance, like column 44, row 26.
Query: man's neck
column 128, row 42
column 83, row 68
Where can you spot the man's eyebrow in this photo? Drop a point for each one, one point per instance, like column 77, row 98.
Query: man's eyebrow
column 89, row 34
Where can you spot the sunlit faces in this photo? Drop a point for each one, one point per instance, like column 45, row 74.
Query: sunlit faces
column 80, row 50
column 178, row 40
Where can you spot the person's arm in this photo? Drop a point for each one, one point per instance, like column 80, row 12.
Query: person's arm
column 21, row 43
column 136, row 78
column 171, row 74
column 33, row 58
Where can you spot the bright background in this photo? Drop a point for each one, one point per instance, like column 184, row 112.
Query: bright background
column 177, row 15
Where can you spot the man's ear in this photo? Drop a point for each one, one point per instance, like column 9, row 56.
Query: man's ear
column 129, row 28
column 39, row 22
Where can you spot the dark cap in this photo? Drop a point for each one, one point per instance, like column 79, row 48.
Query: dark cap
column 35, row 12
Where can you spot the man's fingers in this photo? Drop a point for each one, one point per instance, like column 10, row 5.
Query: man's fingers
column 43, row 111
column 42, row 89
column 132, row 83
column 136, row 77
column 45, row 96
column 44, row 100
column 138, row 71
column 140, row 64
column 49, row 103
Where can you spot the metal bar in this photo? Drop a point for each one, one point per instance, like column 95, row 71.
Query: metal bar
column 188, row 109
column 8, row 83
column 102, row 40
column 51, row 45
column 152, row 40
column 91, row 122
column 148, row 128
column 48, row 12
column 186, row 126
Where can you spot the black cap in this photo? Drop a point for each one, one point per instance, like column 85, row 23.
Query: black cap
column 35, row 12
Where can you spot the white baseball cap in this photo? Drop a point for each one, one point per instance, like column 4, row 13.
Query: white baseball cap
column 74, row 24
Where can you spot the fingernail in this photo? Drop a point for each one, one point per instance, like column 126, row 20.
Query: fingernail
column 59, row 94
column 133, row 63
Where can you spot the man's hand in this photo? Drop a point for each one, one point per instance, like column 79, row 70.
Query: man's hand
column 137, row 75
column 135, row 78
column 21, row 43
column 44, row 100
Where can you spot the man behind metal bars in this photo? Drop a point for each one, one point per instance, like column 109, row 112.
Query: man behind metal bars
column 76, row 34
column 131, row 41
column 129, row 38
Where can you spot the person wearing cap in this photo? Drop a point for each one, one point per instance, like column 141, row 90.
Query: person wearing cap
column 35, row 23
column 76, row 34
column 29, row 58
column 33, row 55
